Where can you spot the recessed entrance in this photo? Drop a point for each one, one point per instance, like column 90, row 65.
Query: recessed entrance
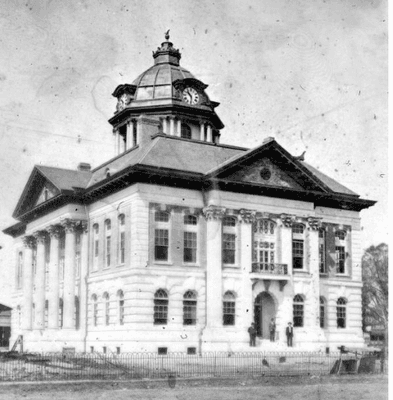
column 264, row 311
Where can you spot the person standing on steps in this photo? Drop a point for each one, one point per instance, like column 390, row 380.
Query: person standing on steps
column 253, row 334
column 289, row 333
column 272, row 330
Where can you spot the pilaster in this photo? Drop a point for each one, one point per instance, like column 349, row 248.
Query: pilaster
column 214, row 215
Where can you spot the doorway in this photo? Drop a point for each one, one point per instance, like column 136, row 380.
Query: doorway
column 264, row 311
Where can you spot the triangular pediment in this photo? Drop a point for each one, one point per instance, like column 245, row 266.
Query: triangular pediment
column 37, row 191
column 272, row 166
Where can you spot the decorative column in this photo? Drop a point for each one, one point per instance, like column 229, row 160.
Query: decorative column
column 214, row 215
column 39, row 295
column 178, row 133
column 83, row 278
column 171, row 126
column 313, row 225
column 69, row 274
column 115, row 142
column 246, row 218
column 209, row 133
column 53, row 296
column 129, row 135
column 202, row 131
column 29, row 243
column 165, row 126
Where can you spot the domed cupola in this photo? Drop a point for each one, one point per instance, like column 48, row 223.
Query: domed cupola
column 172, row 94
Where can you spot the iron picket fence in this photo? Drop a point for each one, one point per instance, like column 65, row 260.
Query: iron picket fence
column 129, row 366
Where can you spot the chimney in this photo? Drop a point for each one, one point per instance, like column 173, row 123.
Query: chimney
column 84, row 166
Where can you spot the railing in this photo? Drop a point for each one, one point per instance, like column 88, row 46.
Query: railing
column 270, row 268
column 128, row 366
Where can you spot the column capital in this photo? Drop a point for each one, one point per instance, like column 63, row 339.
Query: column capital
column 69, row 225
column 287, row 220
column 29, row 241
column 40, row 236
column 54, row 231
column 84, row 226
column 213, row 212
column 314, row 223
column 247, row 216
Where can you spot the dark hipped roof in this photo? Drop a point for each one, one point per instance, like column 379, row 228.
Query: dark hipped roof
column 170, row 153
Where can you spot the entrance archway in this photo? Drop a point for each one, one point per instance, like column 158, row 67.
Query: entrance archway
column 264, row 311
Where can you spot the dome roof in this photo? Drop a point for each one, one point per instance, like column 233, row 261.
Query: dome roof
column 157, row 81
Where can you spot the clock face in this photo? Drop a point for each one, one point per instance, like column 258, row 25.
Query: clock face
column 190, row 95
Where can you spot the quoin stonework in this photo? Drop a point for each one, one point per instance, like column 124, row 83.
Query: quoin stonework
column 179, row 242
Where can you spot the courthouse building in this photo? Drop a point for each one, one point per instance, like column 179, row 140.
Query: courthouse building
column 180, row 242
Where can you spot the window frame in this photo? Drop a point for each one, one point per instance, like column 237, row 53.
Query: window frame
column 190, row 307
column 341, row 313
column 161, row 307
column 121, row 305
column 96, row 246
column 94, row 299
column 299, row 251
column 229, row 241
column 298, row 311
column 121, row 256
column 107, row 243
column 322, row 313
column 107, row 315
column 162, row 225
column 190, row 228
column 322, row 251
column 229, row 308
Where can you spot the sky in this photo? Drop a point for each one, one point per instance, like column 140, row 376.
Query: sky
column 310, row 73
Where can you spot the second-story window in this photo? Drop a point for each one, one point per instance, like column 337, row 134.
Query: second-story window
column 298, row 246
column 322, row 251
column 122, row 239
column 264, row 245
column 106, row 308
column 190, row 239
column 161, row 235
column 229, row 240
column 96, row 245
column 108, row 243
column 340, row 240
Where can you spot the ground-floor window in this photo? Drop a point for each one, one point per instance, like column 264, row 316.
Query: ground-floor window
column 298, row 311
column 229, row 308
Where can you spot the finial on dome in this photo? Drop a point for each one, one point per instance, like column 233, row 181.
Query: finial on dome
column 167, row 34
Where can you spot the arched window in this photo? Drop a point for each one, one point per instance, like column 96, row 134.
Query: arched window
column 322, row 312
column 120, row 296
column 229, row 240
column 264, row 246
column 160, row 307
column 19, row 275
column 340, row 240
column 185, row 131
column 298, row 311
column 95, row 309
column 341, row 313
column 229, row 308
column 106, row 308
column 61, row 313
column 77, row 313
column 161, row 236
column 108, row 243
column 190, row 239
column 298, row 246
column 122, row 239
column 189, row 308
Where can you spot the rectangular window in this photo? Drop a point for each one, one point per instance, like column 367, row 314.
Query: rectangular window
column 122, row 247
column 297, row 253
column 95, row 314
column 190, row 247
column 96, row 248
column 322, row 316
column 340, row 259
column 108, row 251
column 161, row 244
column 228, row 248
column 298, row 315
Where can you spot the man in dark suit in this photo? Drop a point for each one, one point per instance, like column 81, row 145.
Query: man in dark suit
column 253, row 334
column 289, row 333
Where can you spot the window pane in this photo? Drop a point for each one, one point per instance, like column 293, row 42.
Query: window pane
column 190, row 246
column 340, row 259
column 161, row 216
column 229, row 248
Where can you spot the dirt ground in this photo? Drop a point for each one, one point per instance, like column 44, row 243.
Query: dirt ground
column 359, row 387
